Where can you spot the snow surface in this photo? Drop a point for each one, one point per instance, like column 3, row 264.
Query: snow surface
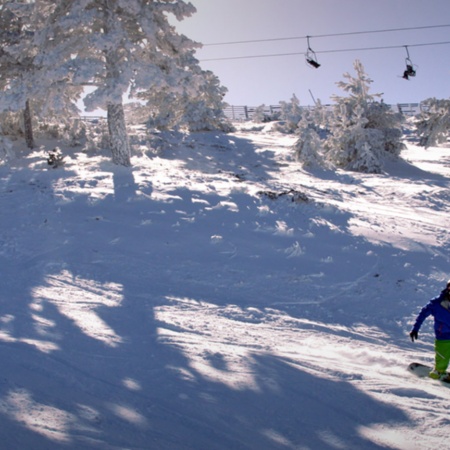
column 217, row 296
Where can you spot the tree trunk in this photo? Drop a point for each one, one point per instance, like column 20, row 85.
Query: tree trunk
column 120, row 146
column 28, row 126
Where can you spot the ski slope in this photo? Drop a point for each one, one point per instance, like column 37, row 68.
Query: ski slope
column 218, row 296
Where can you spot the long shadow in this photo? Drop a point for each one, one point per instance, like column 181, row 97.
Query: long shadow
column 97, row 375
column 230, row 156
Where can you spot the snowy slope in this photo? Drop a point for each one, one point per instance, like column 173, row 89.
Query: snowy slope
column 217, row 296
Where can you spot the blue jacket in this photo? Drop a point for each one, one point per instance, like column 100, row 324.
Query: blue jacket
column 441, row 316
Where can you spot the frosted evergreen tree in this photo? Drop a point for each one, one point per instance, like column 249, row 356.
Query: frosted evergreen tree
column 352, row 145
column 196, row 107
column 23, row 85
column 16, row 59
column 118, row 47
column 309, row 146
column 320, row 117
column 204, row 109
column 259, row 114
column 290, row 115
column 433, row 124
column 363, row 132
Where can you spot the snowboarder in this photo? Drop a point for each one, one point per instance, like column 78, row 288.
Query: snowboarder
column 439, row 308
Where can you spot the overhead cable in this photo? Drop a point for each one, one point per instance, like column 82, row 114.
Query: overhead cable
column 350, row 33
column 325, row 51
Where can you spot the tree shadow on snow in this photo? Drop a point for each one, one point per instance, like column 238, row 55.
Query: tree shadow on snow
column 85, row 364
column 221, row 153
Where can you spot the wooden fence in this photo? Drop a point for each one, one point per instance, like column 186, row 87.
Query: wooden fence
column 247, row 112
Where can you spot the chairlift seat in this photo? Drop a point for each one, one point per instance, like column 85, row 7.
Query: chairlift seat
column 312, row 62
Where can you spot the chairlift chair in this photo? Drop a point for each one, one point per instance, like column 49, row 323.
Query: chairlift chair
column 311, row 57
column 410, row 68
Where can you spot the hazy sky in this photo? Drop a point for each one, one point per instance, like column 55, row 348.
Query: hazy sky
column 253, row 81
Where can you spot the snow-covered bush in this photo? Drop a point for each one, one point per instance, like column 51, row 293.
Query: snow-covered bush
column 56, row 125
column 265, row 114
column 70, row 131
column 260, row 115
column 363, row 132
column 309, row 146
column 6, row 147
column 12, row 124
column 433, row 125
column 97, row 137
column 290, row 115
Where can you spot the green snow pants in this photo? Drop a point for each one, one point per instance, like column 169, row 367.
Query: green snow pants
column 442, row 349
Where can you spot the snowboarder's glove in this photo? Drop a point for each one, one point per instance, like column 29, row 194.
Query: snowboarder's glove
column 414, row 335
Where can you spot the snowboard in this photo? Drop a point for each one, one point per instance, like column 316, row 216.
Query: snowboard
column 422, row 371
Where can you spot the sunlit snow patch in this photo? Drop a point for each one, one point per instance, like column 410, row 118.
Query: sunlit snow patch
column 220, row 359
column 6, row 335
column 48, row 421
column 78, row 299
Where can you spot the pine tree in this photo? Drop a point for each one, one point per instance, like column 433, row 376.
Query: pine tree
column 433, row 124
column 259, row 115
column 203, row 108
column 117, row 47
column 196, row 107
column 363, row 132
column 23, row 84
column 290, row 115
column 353, row 146
column 16, row 59
column 309, row 147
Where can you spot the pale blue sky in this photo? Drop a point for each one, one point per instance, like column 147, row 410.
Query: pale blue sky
column 269, row 80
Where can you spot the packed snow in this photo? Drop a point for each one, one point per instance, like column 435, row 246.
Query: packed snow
column 216, row 295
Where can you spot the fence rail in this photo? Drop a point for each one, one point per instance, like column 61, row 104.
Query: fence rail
column 234, row 112
column 243, row 113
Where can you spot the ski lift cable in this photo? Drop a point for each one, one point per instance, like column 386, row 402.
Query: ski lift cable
column 384, row 47
column 360, row 49
column 349, row 33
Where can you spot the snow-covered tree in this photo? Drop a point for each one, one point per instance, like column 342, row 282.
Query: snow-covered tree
column 203, row 110
column 197, row 107
column 117, row 46
column 16, row 59
column 259, row 115
column 320, row 116
column 290, row 115
column 363, row 131
column 23, row 83
column 309, row 146
column 352, row 145
column 433, row 124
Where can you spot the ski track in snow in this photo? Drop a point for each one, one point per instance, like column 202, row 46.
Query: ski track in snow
column 197, row 301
